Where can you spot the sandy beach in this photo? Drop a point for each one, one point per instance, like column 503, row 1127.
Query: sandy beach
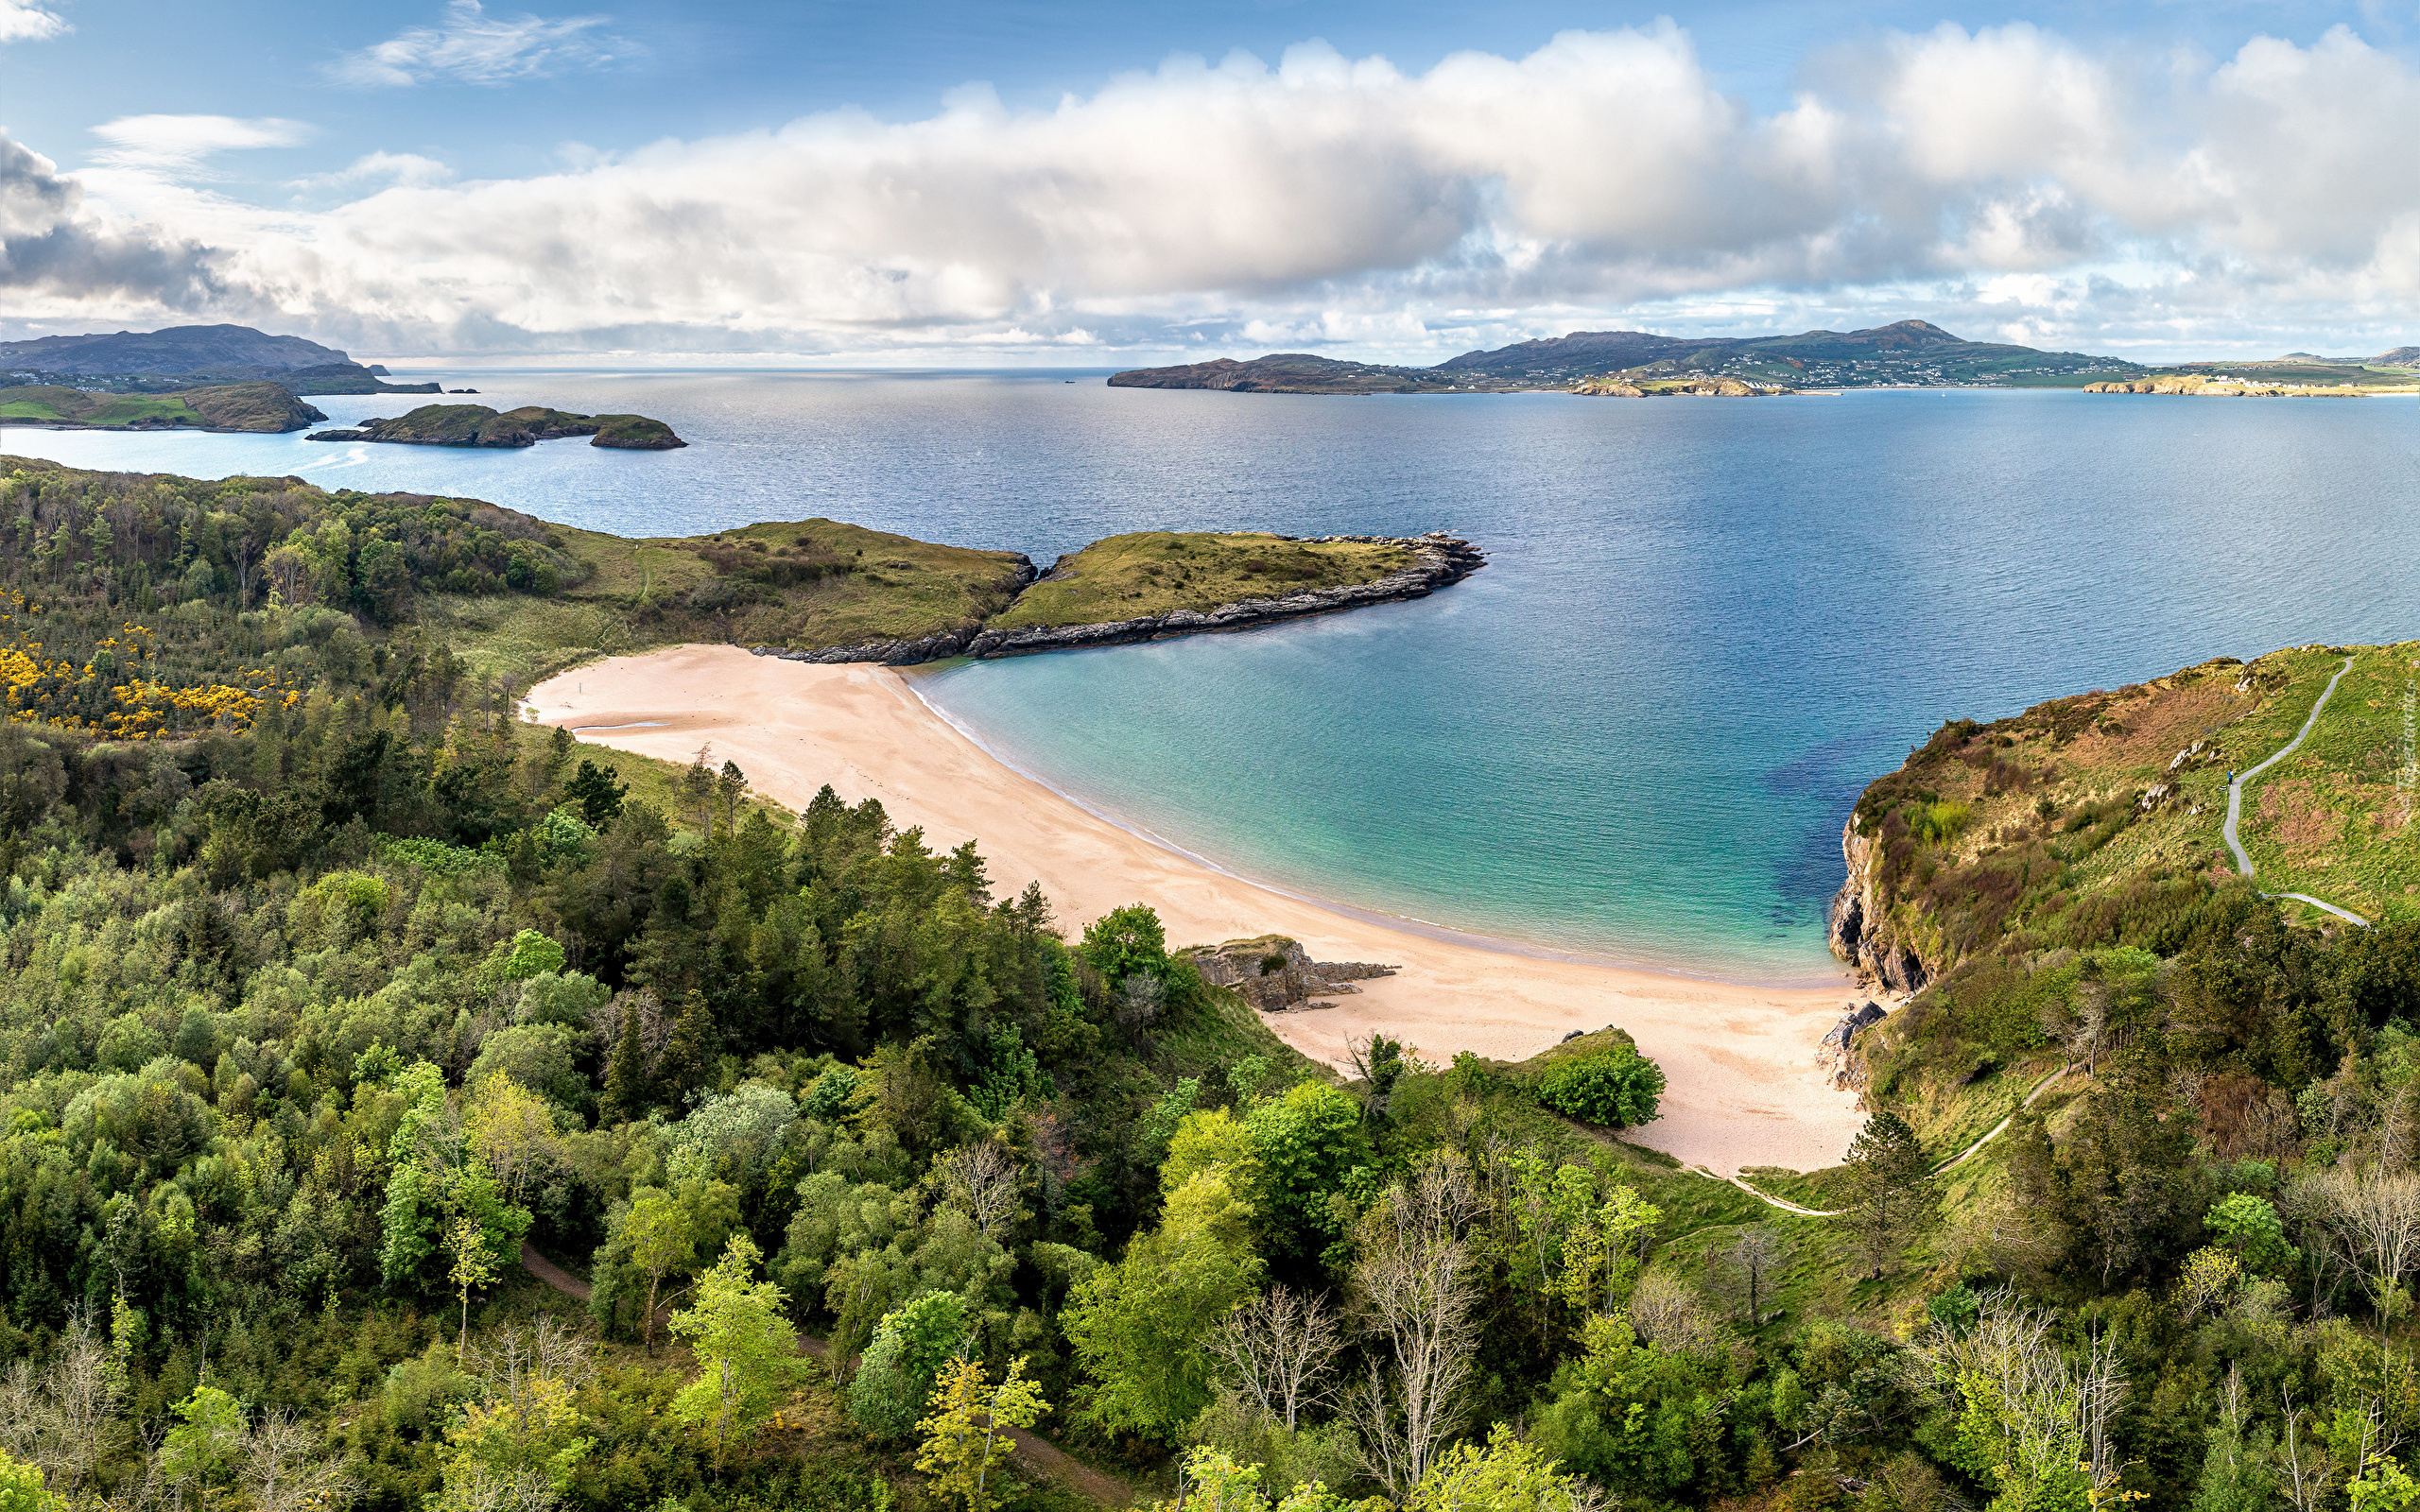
column 1744, row 1087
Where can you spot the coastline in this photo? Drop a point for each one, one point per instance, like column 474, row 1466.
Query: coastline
column 1743, row 1085
column 1427, row 929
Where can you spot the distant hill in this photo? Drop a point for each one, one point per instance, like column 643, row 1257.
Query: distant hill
column 1910, row 352
column 2400, row 358
column 177, row 349
column 188, row 356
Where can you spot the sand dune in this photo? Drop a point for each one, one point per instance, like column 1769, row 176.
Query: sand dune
column 1739, row 1061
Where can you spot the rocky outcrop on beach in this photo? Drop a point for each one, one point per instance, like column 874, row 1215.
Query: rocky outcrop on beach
column 1275, row 974
column 1858, row 923
column 1834, row 1056
column 1438, row 559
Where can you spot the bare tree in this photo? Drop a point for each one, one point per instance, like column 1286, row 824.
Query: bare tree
column 1671, row 1317
column 2375, row 1215
column 2308, row 1476
column 2053, row 1418
column 283, row 1470
column 1277, row 1350
column 1749, row 1266
column 981, row 1182
column 64, row 1418
column 1413, row 1277
column 511, row 1364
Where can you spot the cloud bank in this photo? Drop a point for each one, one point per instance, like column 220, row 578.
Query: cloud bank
column 2003, row 177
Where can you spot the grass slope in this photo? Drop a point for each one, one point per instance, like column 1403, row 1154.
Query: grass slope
column 1156, row 572
column 232, row 406
column 2006, row 829
column 806, row 585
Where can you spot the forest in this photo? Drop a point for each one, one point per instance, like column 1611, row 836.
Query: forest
column 403, row 1105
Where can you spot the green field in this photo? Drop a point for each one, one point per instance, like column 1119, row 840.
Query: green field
column 51, row 402
column 1156, row 571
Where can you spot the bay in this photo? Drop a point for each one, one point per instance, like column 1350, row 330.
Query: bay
column 1705, row 626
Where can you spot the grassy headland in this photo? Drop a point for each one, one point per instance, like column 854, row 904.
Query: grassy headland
column 258, row 407
column 1156, row 572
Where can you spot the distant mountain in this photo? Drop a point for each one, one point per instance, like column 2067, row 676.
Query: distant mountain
column 2400, row 358
column 1910, row 352
column 179, row 350
column 188, row 356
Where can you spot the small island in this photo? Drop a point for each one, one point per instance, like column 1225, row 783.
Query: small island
column 478, row 425
column 256, row 406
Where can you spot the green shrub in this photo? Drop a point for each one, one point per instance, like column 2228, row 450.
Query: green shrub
column 1615, row 1088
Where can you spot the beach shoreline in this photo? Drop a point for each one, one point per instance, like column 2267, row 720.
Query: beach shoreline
column 1744, row 1087
column 1428, row 929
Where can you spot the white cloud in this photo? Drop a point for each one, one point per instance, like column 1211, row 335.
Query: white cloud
column 23, row 21
column 472, row 47
column 380, row 167
column 178, row 143
column 2004, row 178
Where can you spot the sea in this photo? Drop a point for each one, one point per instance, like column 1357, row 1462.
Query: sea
column 1705, row 624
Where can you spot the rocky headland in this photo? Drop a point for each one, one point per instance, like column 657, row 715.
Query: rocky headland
column 1436, row 560
column 478, row 425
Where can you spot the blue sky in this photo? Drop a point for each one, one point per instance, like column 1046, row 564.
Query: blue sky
column 1082, row 183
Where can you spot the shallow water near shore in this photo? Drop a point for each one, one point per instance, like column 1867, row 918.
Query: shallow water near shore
column 1706, row 624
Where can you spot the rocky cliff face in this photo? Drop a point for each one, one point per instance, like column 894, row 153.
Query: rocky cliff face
column 1860, row 922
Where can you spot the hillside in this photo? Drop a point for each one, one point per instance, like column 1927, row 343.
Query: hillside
column 1910, row 352
column 256, row 406
column 1994, row 838
column 2398, row 358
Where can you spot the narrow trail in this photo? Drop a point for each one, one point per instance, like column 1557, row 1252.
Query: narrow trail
column 2235, row 806
column 1958, row 1160
column 1034, row 1452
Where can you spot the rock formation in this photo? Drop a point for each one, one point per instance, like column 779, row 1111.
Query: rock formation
column 1858, row 924
column 1275, row 974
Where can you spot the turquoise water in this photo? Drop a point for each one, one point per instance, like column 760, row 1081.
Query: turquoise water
column 1705, row 627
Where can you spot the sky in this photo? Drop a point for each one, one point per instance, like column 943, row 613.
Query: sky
column 939, row 183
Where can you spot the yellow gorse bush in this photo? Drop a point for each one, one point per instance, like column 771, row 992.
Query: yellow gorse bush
column 53, row 691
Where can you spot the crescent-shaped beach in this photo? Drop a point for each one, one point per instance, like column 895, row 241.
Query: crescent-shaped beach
column 1744, row 1087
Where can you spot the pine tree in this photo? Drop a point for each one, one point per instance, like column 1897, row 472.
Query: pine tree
column 625, row 1073
column 692, row 1047
column 1892, row 1190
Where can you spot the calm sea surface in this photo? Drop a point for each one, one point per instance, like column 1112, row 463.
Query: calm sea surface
column 1706, row 624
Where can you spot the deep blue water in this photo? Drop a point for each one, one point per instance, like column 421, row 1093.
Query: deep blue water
column 1705, row 627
